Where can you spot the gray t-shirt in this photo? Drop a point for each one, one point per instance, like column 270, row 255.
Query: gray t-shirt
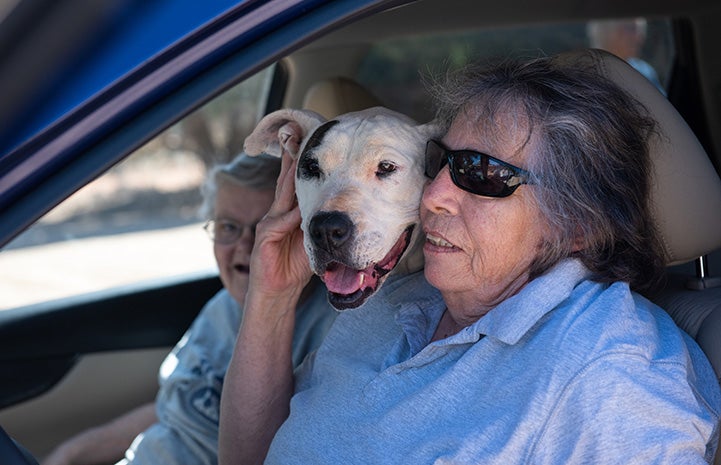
column 191, row 380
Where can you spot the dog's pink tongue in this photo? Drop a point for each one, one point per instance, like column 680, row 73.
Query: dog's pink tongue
column 341, row 279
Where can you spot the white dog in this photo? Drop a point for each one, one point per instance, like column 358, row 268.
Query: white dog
column 359, row 183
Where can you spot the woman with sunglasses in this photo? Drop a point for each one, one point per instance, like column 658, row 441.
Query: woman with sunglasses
column 524, row 340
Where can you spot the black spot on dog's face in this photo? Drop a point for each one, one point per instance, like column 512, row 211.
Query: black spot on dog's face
column 317, row 137
column 308, row 167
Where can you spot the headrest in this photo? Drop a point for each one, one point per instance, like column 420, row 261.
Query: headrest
column 335, row 96
column 686, row 190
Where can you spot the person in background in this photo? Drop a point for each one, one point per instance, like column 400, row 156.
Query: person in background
column 624, row 38
column 525, row 339
column 181, row 427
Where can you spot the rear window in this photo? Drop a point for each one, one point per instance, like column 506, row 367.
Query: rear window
column 393, row 69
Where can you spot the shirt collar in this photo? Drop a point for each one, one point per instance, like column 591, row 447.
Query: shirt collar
column 515, row 316
column 419, row 306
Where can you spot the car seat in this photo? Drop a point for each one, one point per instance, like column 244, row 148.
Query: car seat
column 686, row 202
column 337, row 95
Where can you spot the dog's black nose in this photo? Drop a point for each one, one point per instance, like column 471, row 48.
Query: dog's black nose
column 330, row 230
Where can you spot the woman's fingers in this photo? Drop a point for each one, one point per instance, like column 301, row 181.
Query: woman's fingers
column 285, row 188
column 278, row 261
column 282, row 217
column 282, row 224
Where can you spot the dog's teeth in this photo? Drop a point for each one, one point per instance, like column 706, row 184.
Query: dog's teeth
column 362, row 279
column 438, row 241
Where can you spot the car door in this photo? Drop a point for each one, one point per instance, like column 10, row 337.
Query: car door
column 73, row 360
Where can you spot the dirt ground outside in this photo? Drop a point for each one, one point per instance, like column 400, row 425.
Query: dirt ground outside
column 137, row 222
column 62, row 269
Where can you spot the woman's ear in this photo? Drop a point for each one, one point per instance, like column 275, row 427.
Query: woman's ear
column 579, row 243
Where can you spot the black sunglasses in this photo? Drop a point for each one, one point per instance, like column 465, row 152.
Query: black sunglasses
column 475, row 172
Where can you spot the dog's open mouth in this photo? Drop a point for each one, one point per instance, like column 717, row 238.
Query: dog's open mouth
column 349, row 288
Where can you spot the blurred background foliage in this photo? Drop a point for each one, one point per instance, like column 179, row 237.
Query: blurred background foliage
column 394, row 71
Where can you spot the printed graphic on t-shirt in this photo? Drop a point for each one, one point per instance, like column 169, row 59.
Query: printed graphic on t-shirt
column 206, row 401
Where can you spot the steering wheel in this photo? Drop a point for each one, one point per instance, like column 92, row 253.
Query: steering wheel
column 11, row 453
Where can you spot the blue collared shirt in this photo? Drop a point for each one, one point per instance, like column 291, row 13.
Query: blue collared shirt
column 567, row 371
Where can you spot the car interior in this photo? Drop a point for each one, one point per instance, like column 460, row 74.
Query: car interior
column 77, row 359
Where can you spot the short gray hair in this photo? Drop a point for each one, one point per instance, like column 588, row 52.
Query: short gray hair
column 589, row 161
column 258, row 172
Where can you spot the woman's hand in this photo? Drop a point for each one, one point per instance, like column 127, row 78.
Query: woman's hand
column 259, row 382
column 279, row 266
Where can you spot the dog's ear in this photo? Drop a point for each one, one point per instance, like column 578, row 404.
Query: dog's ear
column 282, row 130
column 432, row 130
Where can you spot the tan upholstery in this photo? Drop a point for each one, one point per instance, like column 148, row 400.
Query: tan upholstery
column 696, row 312
column 335, row 96
column 686, row 198
column 687, row 191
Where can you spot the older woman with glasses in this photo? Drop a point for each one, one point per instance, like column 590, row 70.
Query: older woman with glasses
column 181, row 427
column 524, row 340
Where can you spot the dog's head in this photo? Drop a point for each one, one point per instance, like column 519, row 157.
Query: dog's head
column 359, row 184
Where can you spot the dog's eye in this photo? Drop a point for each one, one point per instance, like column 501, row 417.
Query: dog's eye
column 309, row 168
column 385, row 168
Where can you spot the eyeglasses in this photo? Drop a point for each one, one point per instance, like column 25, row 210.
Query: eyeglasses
column 226, row 232
column 475, row 172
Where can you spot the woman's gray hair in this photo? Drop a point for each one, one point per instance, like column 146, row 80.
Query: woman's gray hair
column 589, row 161
column 258, row 172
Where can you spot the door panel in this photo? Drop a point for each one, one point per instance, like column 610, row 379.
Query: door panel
column 83, row 361
column 98, row 388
